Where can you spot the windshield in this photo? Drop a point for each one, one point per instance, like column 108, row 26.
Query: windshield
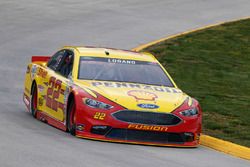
column 122, row 70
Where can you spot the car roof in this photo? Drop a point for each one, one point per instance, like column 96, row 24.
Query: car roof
column 111, row 53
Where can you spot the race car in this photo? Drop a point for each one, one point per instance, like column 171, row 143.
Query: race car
column 111, row 95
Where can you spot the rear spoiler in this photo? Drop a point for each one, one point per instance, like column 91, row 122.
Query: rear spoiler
column 40, row 58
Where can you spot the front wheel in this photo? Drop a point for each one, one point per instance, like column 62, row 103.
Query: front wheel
column 71, row 126
column 33, row 104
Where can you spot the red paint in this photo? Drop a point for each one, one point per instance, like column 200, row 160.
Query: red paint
column 56, row 123
column 40, row 58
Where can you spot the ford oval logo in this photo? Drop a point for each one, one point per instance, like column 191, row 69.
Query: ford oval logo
column 148, row 106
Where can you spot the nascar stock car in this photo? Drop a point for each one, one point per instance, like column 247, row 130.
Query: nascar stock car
column 111, row 95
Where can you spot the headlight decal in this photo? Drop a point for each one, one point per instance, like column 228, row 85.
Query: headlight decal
column 96, row 104
column 189, row 112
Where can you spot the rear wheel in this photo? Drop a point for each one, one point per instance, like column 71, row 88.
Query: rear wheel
column 71, row 126
column 33, row 104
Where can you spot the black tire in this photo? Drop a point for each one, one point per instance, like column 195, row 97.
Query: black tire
column 71, row 127
column 34, row 100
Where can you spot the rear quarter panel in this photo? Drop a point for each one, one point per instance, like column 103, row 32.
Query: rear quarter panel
column 34, row 72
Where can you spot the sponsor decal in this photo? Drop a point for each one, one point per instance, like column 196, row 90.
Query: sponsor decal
column 142, row 95
column 147, row 127
column 33, row 71
column 40, row 101
column 42, row 73
column 135, row 85
column 40, row 88
column 148, row 106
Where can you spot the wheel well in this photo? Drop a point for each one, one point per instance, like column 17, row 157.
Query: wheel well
column 33, row 84
column 70, row 99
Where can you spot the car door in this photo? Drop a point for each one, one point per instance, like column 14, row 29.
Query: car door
column 56, row 95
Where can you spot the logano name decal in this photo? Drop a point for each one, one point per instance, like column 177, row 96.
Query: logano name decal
column 138, row 86
column 121, row 61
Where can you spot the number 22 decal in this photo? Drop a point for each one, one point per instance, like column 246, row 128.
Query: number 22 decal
column 53, row 93
column 99, row 115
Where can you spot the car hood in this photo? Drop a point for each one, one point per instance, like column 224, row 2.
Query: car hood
column 135, row 96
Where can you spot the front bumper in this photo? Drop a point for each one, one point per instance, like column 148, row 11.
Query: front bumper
column 183, row 134
column 146, row 140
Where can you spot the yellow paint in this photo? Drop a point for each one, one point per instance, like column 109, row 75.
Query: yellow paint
column 190, row 101
column 217, row 144
column 167, row 99
column 226, row 147
column 90, row 92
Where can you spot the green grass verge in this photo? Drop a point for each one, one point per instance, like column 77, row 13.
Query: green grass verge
column 213, row 66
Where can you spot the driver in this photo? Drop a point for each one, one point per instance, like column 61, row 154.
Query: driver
column 67, row 65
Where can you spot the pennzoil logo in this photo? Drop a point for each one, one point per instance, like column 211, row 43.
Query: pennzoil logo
column 147, row 127
column 142, row 95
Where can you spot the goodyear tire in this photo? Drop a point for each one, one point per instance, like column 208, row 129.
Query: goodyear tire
column 71, row 126
column 33, row 104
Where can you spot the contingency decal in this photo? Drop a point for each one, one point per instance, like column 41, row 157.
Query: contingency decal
column 66, row 93
column 137, row 86
column 142, row 95
column 40, row 88
column 65, row 99
column 33, row 71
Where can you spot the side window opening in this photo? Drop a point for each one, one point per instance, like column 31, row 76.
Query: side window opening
column 55, row 60
column 66, row 65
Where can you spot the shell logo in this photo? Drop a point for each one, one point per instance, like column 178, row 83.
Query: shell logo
column 142, row 95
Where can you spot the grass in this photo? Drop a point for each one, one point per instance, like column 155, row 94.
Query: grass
column 213, row 66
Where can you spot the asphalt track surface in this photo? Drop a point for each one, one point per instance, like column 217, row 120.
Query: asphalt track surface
column 39, row 28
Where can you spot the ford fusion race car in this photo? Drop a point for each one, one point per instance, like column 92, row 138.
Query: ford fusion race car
column 111, row 95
